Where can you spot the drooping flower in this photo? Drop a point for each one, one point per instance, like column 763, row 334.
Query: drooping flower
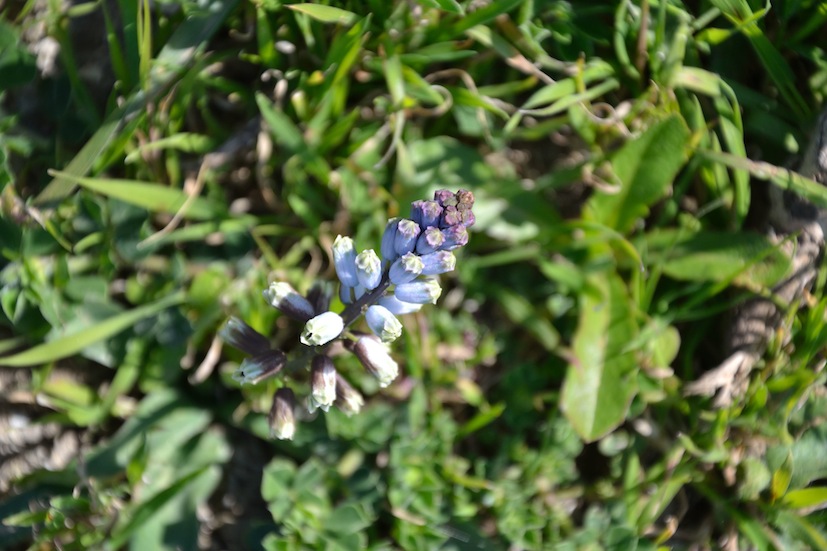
column 383, row 324
column 284, row 297
column 369, row 269
column 283, row 414
column 241, row 336
column 322, row 383
column 405, row 268
column 259, row 367
column 373, row 355
column 322, row 329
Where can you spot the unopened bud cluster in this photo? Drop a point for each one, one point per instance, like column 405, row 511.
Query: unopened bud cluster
column 404, row 275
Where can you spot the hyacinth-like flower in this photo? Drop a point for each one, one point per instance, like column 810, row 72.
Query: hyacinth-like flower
column 414, row 251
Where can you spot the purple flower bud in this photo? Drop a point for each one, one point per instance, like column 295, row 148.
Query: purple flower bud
column 468, row 218
column 262, row 366
column 388, row 239
column 375, row 358
column 397, row 307
column 405, row 268
column 369, row 269
column 282, row 414
column 281, row 295
column 322, row 384
column 455, row 237
column 465, row 197
column 419, row 292
column 406, row 233
column 344, row 260
column 241, row 336
column 450, row 217
column 429, row 241
column 426, row 213
column 322, row 329
column 383, row 324
column 438, row 263
column 445, row 198
column 348, row 400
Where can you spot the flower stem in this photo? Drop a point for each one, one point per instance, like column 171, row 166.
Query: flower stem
column 355, row 309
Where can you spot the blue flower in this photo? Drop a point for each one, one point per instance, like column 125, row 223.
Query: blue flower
column 405, row 268
column 369, row 269
column 406, row 233
column 344, row 260
column 419, row 292
column 383, row 324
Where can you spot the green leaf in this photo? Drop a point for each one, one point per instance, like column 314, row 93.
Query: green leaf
column 807, row 498
column 184, row 44
column 325, row 14
column 749, row 259
column 72, row 344
column 645, row 167
column 451, row 6
column 599, row 386
column 152, row 197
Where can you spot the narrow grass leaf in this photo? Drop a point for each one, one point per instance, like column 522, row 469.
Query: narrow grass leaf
column 179, row 50
column 325, row 14
column 152, row 197
column 69, row 345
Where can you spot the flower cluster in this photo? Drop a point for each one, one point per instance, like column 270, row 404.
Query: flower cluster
column 399, row 280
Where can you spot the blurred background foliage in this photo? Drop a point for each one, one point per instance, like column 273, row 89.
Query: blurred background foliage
column 161, row 162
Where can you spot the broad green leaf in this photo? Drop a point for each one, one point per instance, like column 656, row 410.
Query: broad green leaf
column 749, row 259
column 325, row 14
column 72, row 344
column 645, row 168
column 152, row 197
column 807, row 497
column 599, row 383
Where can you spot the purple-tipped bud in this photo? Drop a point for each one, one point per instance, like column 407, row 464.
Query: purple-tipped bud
column 438, row 263
column 468, row 218
column 348, row 399
column 429, row 241
column 465, row 197
column 281, row 295
column 383, row 324
column 369, row 269
column 419, row 292
column 455, row 237
column 241, row 336
column 426, row 213
column 388, row 239
column 405, row 268
column 397, row 307
column 283, row 414
column 322, row 329
column 406, row 233
column 374, row 356
column 445, row 198
column 322, row 384
column 450, row 217
column 262, row 366
column 344, row 260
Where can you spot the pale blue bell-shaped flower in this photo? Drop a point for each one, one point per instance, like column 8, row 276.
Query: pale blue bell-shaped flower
column 383, row 324
column 344, row 260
